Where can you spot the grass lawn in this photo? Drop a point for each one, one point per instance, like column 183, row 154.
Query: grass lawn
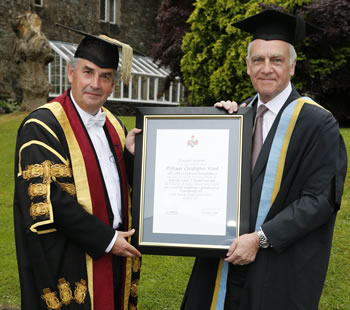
column 163, row 278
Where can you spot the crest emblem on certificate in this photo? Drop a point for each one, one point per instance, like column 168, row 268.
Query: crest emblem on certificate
column 192, row 142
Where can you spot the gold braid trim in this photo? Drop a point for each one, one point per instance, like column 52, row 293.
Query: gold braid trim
column 38, row 189
column 41, row 123
column 65, row 291
column 134, row 288
column 129, row 262
column 117, row 126
column 44, row 171
column 80, row 291
column 136, row 264
column 33, row 171
column 68, row 187
column 51, row 300
column 39, row 209
column 81, row 183
column 47, row 170
column 58, row 170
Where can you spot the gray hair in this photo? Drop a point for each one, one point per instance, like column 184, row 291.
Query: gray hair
column 73, row 62
column 292, row 52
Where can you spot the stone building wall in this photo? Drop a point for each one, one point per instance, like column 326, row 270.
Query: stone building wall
column 136, row 26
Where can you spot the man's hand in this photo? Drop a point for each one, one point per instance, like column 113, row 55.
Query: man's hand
column 229, row 106
column 130, row 140
column 122, row 247
column 243, row 250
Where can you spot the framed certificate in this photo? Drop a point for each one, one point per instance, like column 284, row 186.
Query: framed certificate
column 191, row 185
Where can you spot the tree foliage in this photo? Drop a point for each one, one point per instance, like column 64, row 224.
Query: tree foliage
column 213, row 65
column 324, row 71
column 171, row 21
column 214, row 62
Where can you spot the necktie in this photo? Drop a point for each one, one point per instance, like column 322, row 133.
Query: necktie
column 258, row 135
column 98, row 120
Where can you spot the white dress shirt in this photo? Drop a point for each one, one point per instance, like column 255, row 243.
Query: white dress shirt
column 106, row 161
column 274, row 106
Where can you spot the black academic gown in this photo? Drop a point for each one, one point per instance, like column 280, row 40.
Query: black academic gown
column 53, row 255
column 299, row 225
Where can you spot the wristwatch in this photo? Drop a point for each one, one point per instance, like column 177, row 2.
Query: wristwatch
column 263, row 242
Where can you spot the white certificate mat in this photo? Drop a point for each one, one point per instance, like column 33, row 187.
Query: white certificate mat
column 191, row 174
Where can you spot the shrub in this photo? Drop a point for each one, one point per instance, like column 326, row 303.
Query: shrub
column 8, row 106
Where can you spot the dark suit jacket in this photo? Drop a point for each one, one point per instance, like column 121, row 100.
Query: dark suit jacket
column 299, row 225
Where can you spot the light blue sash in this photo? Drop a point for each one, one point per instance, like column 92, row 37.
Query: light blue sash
column 271, row 184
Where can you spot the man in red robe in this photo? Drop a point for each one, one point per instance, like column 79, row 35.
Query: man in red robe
column 73, row 167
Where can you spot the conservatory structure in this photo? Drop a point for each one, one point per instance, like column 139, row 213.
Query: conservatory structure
column 146, row 85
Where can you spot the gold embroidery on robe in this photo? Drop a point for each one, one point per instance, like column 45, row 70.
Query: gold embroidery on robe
column 134, row 288
column 37, row 189
column 58, row 170
column 47, row 170
column 39, row 209
column 133, row 307
column 65, row 291
column 33, row 171
column 136, row 263
column 80, row 291
column 68, row 187
column 51, row 300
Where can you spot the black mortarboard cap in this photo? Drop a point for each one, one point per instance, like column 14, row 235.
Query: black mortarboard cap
column 272, row 24
column 103, row 51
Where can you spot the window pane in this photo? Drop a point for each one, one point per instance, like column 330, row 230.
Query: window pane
column 135, row 88
column 38, row 2
column 112, row 7
column 103, row 10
